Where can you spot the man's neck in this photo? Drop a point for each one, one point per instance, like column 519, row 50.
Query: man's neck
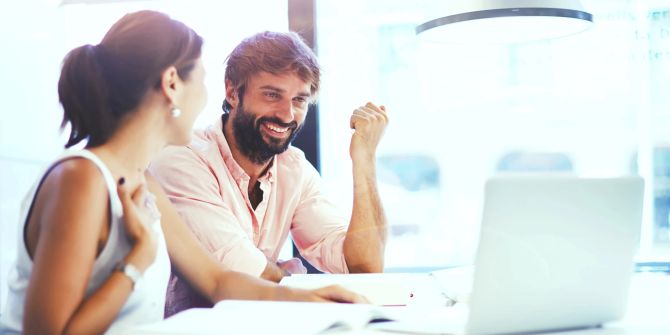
column 252, row 169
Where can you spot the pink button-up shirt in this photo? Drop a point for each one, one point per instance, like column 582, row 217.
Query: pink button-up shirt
column 209, row 190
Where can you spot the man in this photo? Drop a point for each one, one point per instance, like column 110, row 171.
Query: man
column 242, row 188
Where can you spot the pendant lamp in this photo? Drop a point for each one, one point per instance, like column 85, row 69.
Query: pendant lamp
column 506, row 21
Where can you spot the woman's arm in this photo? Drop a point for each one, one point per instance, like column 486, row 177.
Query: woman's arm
column 69, row 219
column 211, row 280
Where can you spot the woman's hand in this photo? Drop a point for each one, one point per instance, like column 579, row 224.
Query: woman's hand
column 332, row 293
column 139, row 213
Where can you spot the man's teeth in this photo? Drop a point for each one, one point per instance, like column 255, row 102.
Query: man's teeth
column 277, row 129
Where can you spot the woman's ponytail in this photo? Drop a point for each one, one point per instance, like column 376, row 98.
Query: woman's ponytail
column 83, row 93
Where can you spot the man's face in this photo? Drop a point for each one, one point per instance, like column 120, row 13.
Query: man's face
column 269, row 114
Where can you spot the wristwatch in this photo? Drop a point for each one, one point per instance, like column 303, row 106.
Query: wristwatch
column 130, row 271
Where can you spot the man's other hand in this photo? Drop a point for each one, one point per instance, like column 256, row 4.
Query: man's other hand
column 292, row 266
column 368, row 123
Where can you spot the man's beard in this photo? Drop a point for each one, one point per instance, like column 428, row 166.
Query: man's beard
column 250, row 142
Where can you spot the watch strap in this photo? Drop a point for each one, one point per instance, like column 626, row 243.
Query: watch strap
column 129, row 271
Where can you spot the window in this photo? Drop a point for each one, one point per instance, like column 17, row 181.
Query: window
column 584, row 104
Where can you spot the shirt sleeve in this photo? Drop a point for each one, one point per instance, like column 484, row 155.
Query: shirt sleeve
column 319, row 228
column 195, row 193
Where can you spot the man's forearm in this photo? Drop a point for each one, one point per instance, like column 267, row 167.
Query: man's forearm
column 366, row 237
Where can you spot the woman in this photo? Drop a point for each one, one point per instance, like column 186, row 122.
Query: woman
column 91, row 260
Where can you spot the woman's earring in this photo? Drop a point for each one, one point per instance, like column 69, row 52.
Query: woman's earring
column 175, row 112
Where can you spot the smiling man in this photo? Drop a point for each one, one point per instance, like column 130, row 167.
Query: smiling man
column 242, row 188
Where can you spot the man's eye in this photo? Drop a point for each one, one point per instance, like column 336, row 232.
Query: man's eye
column 271, row 95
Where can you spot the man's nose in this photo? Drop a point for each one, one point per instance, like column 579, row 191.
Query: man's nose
column 285, row 111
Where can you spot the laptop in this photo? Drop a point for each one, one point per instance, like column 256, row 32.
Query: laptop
column 555, row 253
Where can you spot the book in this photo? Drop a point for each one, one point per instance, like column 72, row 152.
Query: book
column 266, row 317
column 300, row 318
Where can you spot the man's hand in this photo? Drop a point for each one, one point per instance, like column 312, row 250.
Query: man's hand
column 276, row 271
column 292, row 266
column 368, row 123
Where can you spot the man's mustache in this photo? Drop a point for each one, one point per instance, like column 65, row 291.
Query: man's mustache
column 291, row 125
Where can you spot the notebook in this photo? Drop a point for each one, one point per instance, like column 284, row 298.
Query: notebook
column 387, row 289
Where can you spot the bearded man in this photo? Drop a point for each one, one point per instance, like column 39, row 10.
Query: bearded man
column 242, row 188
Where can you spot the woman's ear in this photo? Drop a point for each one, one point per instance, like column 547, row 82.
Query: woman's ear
column 169, row 83
column 231, row 94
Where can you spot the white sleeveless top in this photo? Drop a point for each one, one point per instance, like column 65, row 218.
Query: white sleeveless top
column 144, row 305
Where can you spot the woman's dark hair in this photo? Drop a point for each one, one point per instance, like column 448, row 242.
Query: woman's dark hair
column 101, row 84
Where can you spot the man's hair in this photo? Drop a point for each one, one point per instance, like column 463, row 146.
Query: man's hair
column 273, row 52
column 101, row 84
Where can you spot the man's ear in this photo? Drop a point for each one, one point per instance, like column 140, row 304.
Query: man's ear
column 170, row 83
column 231, row 94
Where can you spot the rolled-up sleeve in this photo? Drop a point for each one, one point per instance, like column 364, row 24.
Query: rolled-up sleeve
column 319, row 227
column 195, row 193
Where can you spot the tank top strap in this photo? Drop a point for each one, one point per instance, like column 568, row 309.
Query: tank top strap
column 115, row 202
